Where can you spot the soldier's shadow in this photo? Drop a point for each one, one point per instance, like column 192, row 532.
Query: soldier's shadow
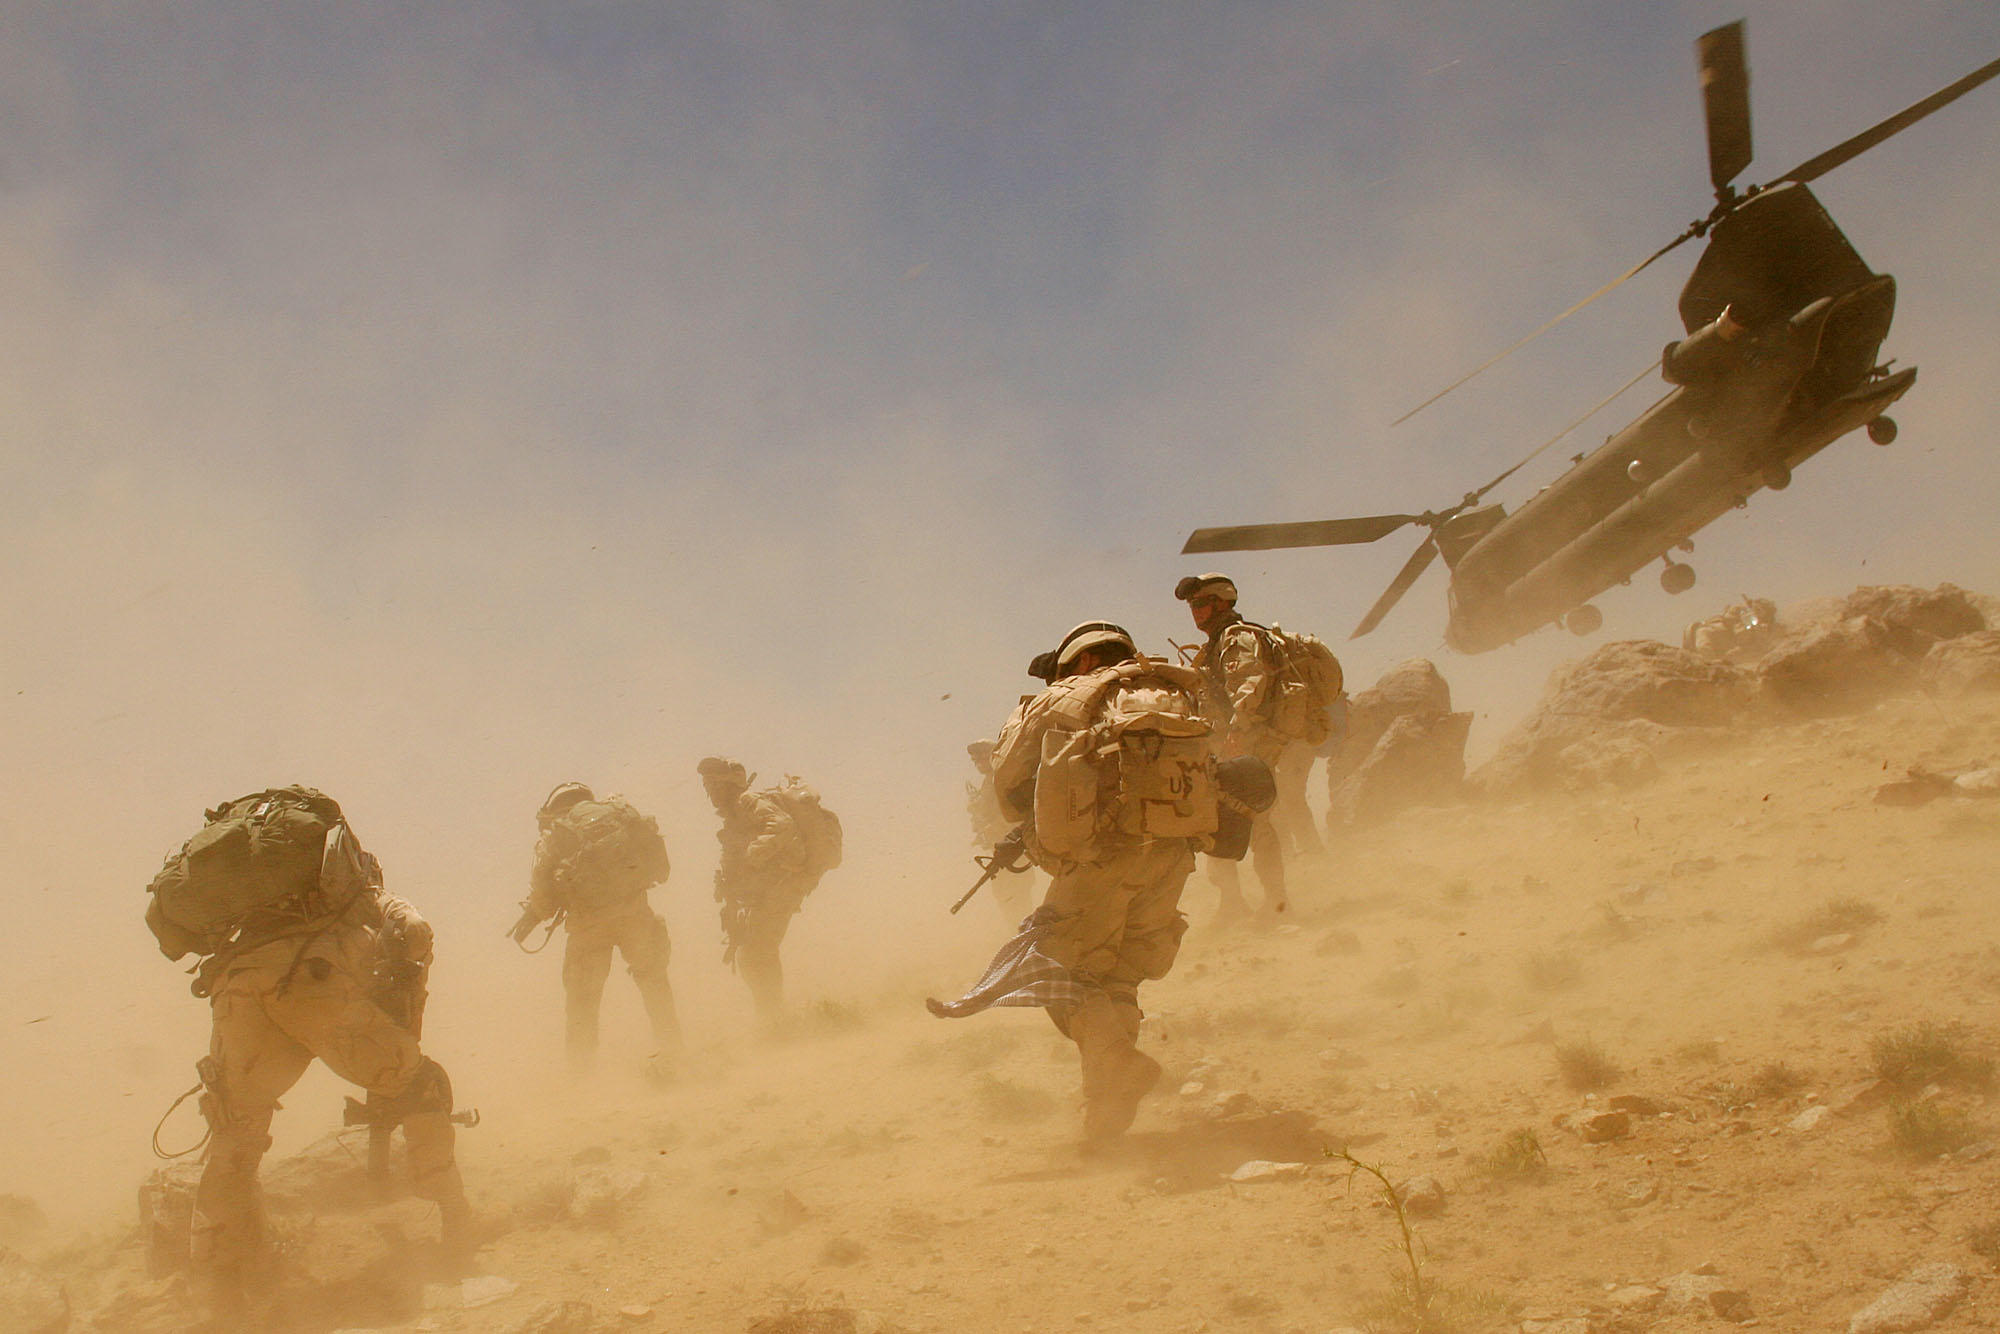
column 1201, row 1154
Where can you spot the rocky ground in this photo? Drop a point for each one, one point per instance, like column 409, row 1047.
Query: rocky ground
column 1712, row 1049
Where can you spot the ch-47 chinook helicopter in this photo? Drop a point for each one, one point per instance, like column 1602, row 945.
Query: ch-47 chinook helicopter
column 1784, row 322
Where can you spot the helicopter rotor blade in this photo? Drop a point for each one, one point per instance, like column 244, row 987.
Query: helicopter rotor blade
column 1543, row 328
column 1725, row 102
column 1814, row 168
column 1418, row 562
column 1316, row 533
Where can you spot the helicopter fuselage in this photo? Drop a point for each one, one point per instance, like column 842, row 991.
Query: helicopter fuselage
column 1784, row 324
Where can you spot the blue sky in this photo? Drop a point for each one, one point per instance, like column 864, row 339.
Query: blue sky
column 564, row 388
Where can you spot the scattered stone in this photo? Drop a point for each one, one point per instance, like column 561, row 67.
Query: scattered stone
column 1634, row 1297
column 1422, row 1196
column 1703, row 1294
column 635, row 1312
column 1810, row 1118
column 465, row 1294
column 1858, row 1098
column 1978, row 783
column 842, row 1251
column 1640, row 1191
column 1635, row 1103
column 1262, row 1169
column 558, row 1318
column 1924, row 1294
column 1600, row 1127
column 1232, row 1103
column 597, row 1193
column 31, row 1302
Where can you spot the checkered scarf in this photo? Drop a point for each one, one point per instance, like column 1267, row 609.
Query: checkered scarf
column 1020, row 974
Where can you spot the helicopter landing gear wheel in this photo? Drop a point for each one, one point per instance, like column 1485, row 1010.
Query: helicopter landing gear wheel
column 1883, row 430
column 1584, row 620
column 1677, row 578
column 1777, row 477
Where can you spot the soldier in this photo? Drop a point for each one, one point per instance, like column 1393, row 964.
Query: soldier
column 771, row 860
column 1111, row 918
column 297, row 930
column 1238, row 676
column 594, row 862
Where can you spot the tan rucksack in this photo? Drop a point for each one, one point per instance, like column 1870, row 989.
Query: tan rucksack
column 1142, row 766
column 256, row 857
column 614, row 853
column 1306, row 686
column 818, row 826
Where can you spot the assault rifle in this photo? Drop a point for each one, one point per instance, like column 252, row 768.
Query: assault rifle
column 1007, row 855
column 525, row 925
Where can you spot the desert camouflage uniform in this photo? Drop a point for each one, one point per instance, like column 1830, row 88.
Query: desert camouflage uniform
column 277, row 1005
column 1117, row 915
column 762, row 882
column 598, row 924
column 1238, row 673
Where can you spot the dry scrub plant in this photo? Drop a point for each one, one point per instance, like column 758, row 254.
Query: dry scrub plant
column 1930, row 1129
column 1416, row 1302
column 1931, row 1053
column 1518, row 1157
column 1551, row 970
column 1585, row 1066
column 1837, row 917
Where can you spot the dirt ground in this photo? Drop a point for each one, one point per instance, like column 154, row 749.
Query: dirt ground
column 1746, row 940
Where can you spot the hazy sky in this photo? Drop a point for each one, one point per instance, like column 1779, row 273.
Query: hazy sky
column 435, row 401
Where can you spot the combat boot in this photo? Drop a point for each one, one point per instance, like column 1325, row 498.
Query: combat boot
column 1116, row 1074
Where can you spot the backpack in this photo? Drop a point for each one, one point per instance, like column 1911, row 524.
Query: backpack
column 614, row 853
column 1307, row 685
column 818, row 826
column 1141, row 767
column 257, row 854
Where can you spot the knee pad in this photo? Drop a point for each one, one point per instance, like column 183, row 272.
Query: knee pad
column 429, row 1091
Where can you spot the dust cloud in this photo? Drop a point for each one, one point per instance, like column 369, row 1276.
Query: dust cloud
column 434, row 413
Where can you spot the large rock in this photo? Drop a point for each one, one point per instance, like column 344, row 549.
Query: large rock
column 1966, row 665
column 1602, row 717
column 1924, row 1294
column 1915, row 617
column 1418, row 761
column 1411, row 688
column 1829, row 668
column 30, row 1301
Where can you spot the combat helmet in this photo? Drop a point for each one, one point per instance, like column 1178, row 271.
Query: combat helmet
column 717, row 766
column 1206, row 585
column 1090, row 634
column 559, row 801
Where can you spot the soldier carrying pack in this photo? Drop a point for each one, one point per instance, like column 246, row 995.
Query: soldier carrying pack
column 258, row 866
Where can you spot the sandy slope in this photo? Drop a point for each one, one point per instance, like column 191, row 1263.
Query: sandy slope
column 925, row 1170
